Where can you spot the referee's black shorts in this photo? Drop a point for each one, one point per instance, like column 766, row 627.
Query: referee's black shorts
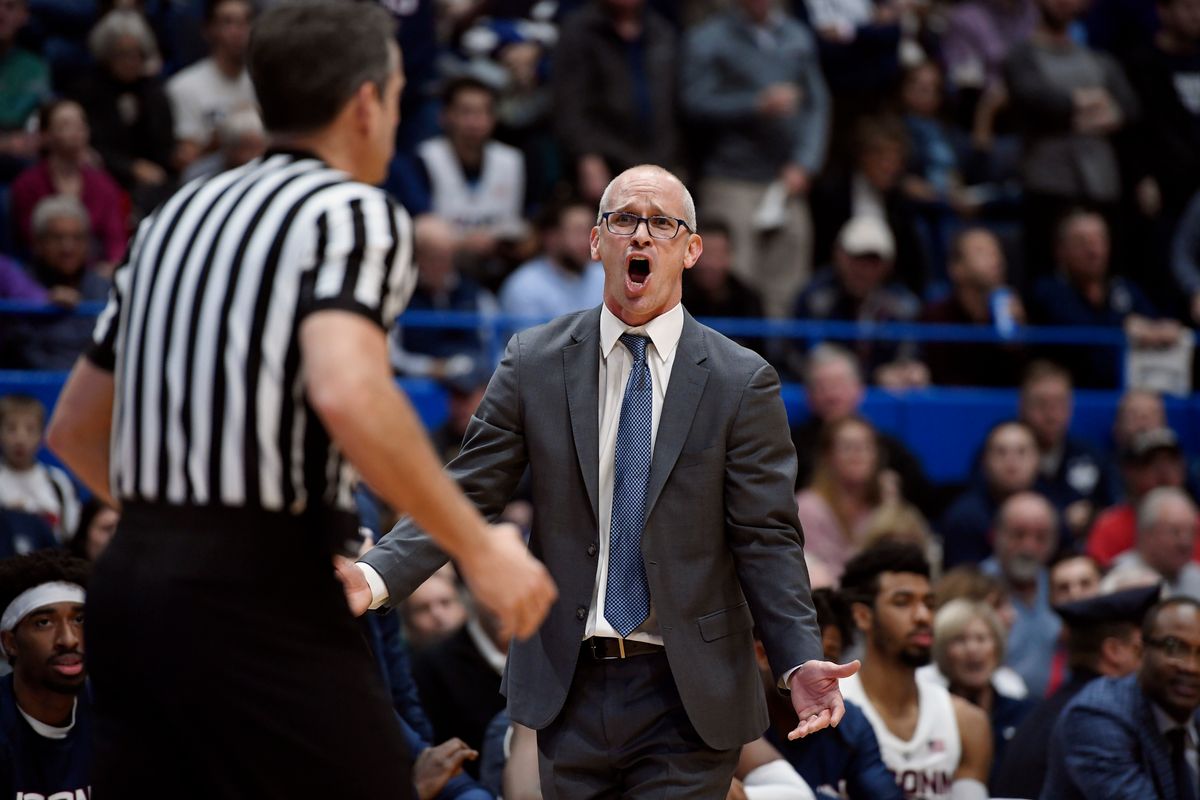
column 226, row 664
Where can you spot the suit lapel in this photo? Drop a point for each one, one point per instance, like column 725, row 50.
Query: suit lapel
column 581, row 368
column 688, row 378
column 1156, row 747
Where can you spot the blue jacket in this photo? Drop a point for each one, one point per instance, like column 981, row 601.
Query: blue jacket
column 1107, row 746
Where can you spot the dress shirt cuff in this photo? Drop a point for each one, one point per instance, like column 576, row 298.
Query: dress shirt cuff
column 785, row 681
column 379, row 591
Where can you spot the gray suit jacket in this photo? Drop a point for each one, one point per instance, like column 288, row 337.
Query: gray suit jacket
column 722, row 545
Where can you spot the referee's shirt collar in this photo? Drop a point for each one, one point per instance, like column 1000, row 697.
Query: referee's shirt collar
column 664, row 331
column 295, row 152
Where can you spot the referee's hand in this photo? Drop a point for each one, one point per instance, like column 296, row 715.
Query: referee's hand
column 505, row 577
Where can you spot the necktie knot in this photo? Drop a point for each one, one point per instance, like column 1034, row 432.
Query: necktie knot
column 636, row 345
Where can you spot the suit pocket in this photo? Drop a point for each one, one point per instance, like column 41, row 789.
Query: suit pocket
column 725, row 622
column 690, row 458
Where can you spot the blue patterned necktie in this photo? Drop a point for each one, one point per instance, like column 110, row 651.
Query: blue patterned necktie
column 627, row 597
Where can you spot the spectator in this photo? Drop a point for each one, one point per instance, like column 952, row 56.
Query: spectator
column 131, row 123
column 614, row 80
column 472, row 181
column 25, row 483
column 872, row 188
column 978, row 38
column 1152, row 460
column 1073, row 576
column 60, row 235
column 431, row 352
column 967, row 582
column 1104, row 638
column 1008, row 465
column 753, row 80
column 1085, row 292
column 1166, row 535
column 968, row 648
column 1025, row 535
column 240, row 139
column 929, row 739
column 978, row 283
column 1113, row 740
column 712, row 289
column 435, row 611
column 846, row 490
column 45, row 706
column 834, row 390
column 24, row 85
column 65, row 168
column 1073, row 474
column 859, row 288
column 97, row 524
column 564, row 278
column 1068, row 100
column 207, row 91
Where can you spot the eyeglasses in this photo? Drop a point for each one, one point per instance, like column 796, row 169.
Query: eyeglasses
column 1175, row 649
column 622, row 223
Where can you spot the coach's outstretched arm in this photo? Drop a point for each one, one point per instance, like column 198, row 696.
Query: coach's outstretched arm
column 350, row 386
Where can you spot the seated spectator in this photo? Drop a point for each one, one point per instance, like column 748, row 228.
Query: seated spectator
column 1085, row 292
column 1153, row 459
column 978, row 282
column 130, row 116
column 968, row 648
column 1138, row 411
column 1026, row 532
column 1068, row 100
column 753, row 82
column 834, row 390
column 859, row 288
column 474, row 182
column 967, row 582
column 1166, row 539
column 1073, row 576
column 1073, row 474
column 25, row 483
column 431, row 352
column 212, row 88
column 240, row 139
column 614, row 80
column 564, row 278
column 65, row 169
column 24, row 86
column 872, row 188
column 1104, row 639
column 1114, row 740
column 712, row 288
column 1007, row 466
column 848, row 487
column 434, row 611
column 97, row 524
column 60, row 235
column 46, row 722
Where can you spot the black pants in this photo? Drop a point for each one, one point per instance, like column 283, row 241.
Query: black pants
column 226, row 664
column 624, row 733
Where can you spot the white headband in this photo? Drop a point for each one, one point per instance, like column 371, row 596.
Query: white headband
column 31, row 600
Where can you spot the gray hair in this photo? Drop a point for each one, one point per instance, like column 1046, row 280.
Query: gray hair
column 116, row 24
column 1151, row 505
column 827, row 353
column 953, row 618
column 237, row 125
column 56, row 207
column 689, row 205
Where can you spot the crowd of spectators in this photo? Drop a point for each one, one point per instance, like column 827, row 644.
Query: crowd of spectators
column 989, row 163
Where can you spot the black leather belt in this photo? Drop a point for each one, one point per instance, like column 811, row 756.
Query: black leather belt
column 606, row 648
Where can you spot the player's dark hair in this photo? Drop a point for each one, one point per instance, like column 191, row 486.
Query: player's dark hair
column 21, row 573
column 860, row 581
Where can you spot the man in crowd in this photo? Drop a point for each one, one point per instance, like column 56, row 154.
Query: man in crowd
column 434, row 611
column 1135, row 736
column 45, row 706
column 564, row 278
column 935, row 744
column 1166, row 534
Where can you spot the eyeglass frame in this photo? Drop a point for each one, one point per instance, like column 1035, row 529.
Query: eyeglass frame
column 679, row 223
column 1161, row 643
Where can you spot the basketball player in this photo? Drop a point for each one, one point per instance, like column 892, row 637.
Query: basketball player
column 938, row 747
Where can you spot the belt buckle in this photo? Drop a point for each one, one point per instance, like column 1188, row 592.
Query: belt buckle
column 597, row 653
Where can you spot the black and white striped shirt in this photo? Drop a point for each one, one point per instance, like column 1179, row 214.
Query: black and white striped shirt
column 201, row 333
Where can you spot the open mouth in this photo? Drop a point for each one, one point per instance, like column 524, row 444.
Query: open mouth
column 639, row 270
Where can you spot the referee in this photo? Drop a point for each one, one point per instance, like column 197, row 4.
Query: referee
column 236, row 375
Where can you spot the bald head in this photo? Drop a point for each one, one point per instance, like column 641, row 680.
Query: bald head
column 644, row 171
column 1026, row 534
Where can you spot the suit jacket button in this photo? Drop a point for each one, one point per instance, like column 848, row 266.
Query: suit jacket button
column 581, row 613
column 591, row 551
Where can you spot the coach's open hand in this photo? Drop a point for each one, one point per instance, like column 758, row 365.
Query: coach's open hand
column 816, row 696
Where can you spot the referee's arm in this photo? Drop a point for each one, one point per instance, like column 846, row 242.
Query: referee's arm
column 79, row 430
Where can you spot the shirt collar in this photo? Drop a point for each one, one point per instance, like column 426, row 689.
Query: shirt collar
column 1165, row 722
column 664, row 330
